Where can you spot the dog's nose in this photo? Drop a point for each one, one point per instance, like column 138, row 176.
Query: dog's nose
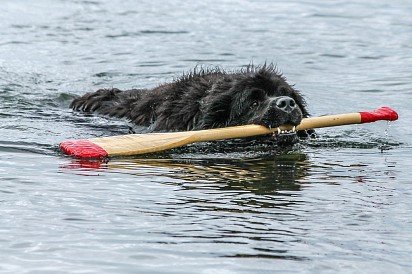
column 285, row 104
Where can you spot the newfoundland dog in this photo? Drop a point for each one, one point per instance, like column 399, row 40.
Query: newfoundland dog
column 205, row 99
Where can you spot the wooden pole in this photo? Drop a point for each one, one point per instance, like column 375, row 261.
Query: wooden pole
column 133, row 144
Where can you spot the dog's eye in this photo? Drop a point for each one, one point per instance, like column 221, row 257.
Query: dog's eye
column 254, row 104
column 283, row 91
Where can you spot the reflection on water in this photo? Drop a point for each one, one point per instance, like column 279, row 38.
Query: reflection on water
column 258, row 176
column 222, row 202
column 241, row 207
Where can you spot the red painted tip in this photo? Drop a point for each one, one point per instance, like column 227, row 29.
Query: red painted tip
column 83, row 149
column 383, row 113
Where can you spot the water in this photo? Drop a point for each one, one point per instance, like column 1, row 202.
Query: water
column 339, row 203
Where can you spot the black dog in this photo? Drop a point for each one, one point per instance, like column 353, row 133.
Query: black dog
column 205, row 99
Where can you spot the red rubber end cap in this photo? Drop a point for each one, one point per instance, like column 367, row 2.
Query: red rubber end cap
column 83, row 149
column 383, row 113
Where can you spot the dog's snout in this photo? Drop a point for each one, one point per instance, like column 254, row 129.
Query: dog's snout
column 285, row 104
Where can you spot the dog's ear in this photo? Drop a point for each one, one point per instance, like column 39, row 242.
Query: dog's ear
column 216, row 111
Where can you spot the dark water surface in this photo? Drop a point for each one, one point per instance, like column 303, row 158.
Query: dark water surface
column 340, row 203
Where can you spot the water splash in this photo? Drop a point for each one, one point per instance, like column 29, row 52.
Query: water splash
column 385, row 143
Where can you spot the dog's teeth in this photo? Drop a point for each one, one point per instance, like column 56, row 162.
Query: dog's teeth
column 294, row 129
column 279, row 131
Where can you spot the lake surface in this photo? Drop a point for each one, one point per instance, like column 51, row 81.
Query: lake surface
column 338, row 203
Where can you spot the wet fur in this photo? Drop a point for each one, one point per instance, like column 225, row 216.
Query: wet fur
column 202, row 99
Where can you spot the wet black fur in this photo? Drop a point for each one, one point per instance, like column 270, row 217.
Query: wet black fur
column 202, row 99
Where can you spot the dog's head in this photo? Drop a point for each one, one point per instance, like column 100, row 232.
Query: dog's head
column 255, row 96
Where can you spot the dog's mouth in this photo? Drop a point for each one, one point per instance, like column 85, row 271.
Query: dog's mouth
column 284, row 131
column 285, row 137
column 282, row 123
